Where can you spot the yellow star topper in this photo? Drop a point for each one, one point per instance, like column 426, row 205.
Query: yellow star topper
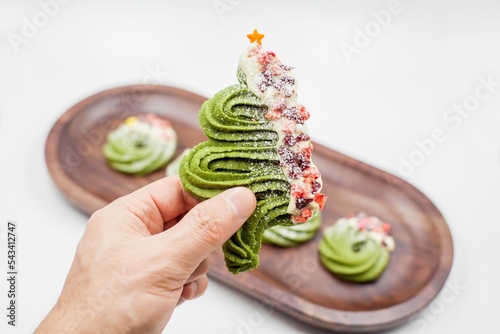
column 255, row 37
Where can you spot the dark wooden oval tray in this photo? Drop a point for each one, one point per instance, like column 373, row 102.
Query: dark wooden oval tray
column 290, row 280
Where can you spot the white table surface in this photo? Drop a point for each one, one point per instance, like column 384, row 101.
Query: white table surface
column 396, row 90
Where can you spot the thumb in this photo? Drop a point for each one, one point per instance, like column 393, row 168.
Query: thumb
column 207, row 226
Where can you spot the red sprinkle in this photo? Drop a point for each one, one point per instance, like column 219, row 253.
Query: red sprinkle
column 302, row 111
column 307, row 151
column 301, row 203
column 289, row 140
column 266, row 57
column 306, row 213
column 386, row 227
column 273, row 115
column 289, row 127
column 277, row 70
column 315, row 187
column 320, row 199
column 280, row 104
column 298, row 191
column 299, row 219
column 311, row 172
column 303, row 137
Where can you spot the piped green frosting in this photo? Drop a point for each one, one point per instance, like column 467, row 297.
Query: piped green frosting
column 352, row 254
column 140, row 145
column 289, row 236
column 240, row 151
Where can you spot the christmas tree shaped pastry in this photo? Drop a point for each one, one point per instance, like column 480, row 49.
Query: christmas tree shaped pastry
column 256, row 138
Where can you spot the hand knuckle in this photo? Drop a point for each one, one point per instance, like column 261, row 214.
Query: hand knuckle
column 210, row 225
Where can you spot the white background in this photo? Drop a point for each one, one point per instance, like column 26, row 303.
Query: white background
column 393, row 92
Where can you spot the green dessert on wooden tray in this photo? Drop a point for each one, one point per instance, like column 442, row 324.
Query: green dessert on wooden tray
column 356, row 248
column 256, row 138
column 140, row 145
column 289, row 236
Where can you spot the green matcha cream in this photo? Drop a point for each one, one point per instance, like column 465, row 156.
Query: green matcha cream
column 140, row 145
column 290, row 236
column 356, row 249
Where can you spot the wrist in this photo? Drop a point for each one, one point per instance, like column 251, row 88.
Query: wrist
column 66, row 319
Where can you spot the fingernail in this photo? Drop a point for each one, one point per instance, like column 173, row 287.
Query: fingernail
column 242, row 200
column 190, row 290
column 194, row 288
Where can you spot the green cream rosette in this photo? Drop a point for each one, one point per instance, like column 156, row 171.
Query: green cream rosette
column 355, row 254
column 140, row 145
column 290, row 236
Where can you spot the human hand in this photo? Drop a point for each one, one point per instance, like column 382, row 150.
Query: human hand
column 142, row 255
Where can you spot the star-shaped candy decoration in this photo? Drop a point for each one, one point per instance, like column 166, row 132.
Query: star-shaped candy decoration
column 255, row 37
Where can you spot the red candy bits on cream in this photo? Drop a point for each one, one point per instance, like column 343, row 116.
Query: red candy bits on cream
column 275, row 85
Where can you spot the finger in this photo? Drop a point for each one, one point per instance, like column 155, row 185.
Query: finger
column 201, row 270
column 205, row 228
column 195, row 289
column 156, row 203
column 172, row 222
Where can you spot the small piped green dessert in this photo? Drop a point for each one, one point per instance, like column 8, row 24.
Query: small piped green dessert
column 356, row 248
column 140, row 145
column 289, row 236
